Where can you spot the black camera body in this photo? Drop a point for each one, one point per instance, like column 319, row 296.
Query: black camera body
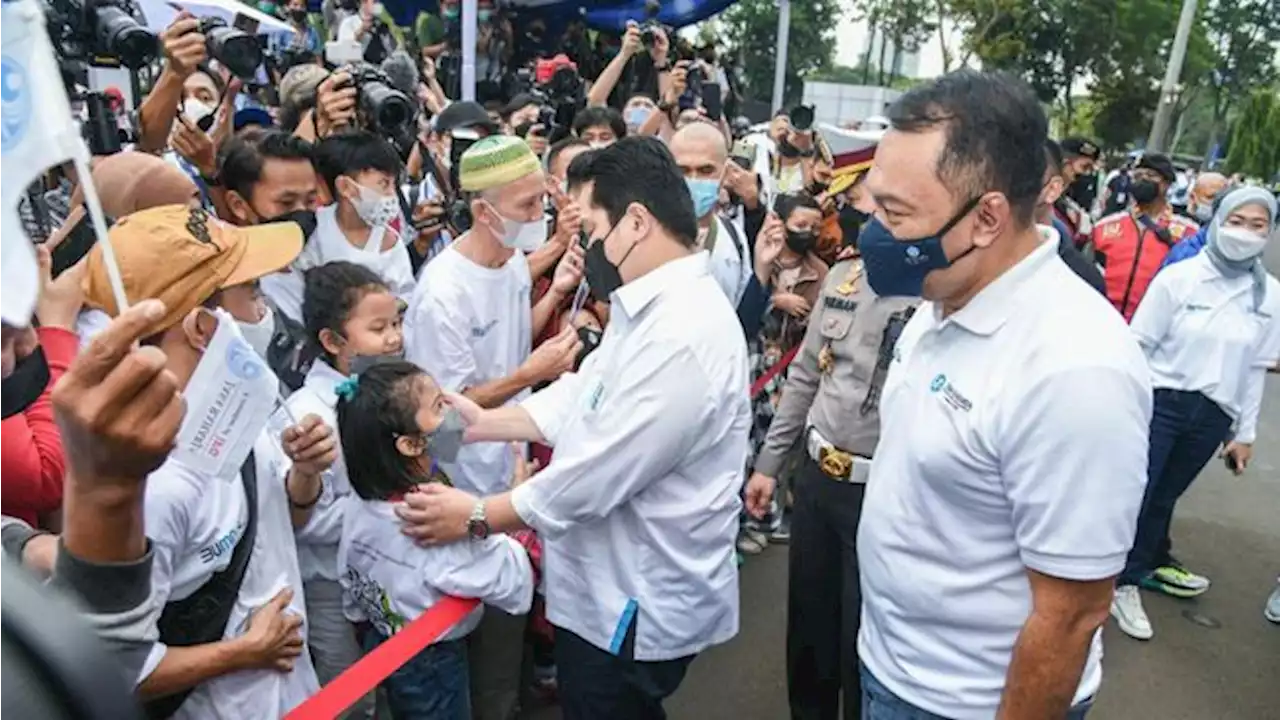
column 692, row 94
column 82, row 30
column 234, row 48
column 381, row 108
column 648, row 33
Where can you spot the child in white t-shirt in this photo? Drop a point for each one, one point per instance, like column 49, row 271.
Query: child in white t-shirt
column 396, row 420
column 359, row 169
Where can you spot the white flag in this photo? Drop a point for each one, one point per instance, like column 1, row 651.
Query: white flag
column 37, row 132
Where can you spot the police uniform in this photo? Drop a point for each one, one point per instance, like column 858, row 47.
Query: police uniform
column 829, row 407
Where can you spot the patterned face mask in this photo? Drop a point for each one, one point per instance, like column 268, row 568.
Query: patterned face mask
column 374, row 208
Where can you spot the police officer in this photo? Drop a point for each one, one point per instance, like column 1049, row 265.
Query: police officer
column 1079, row 171
column 829, row 407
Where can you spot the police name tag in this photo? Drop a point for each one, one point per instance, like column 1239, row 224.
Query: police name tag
column 229, row 400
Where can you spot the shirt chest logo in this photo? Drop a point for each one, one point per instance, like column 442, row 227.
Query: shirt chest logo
column 943, row 388
column 221, row 546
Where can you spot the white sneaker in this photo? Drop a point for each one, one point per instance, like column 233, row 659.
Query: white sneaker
column 1126, row 608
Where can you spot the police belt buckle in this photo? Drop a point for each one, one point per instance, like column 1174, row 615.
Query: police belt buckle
column 835, row 464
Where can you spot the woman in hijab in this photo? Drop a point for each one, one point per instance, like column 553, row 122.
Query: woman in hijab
column 1210, row 327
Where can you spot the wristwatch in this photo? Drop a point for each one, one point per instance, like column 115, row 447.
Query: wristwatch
column 478, row 524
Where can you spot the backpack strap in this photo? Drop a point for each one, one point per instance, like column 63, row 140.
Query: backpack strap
column 202, row 617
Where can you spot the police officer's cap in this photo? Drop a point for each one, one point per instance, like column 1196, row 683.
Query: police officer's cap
column 1080, row 147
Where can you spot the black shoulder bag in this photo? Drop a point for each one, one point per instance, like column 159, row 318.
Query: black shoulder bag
column 202, row 618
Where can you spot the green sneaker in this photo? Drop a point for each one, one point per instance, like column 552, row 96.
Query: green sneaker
column 1176, row 581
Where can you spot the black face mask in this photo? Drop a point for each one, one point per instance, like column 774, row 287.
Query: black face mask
column 1144, row 191
column 298, row 15
column 801, row 241
column 603, row 277
column 305, row 219
column 24, row 385
column 590, row 338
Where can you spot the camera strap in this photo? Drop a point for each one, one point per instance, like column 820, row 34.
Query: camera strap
column 25, row 384
column 202, row 617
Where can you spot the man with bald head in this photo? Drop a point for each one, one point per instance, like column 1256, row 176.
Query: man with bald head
column 702, row 153
column 1207, row 188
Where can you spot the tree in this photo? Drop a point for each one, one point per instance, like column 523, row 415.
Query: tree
column 1242, row 35
column 751, row 29
column 1255, row 139
column 904, row 23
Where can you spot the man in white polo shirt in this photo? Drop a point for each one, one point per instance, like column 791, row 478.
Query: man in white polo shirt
column 638, row 507
column 1013, row 452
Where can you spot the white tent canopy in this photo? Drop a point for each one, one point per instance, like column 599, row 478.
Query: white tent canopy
column 159, row 14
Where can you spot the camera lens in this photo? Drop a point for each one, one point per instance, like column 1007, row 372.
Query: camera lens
column 237, row 50
column 386, row 107
column 122, row 36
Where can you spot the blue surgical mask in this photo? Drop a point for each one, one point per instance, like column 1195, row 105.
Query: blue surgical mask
column 898, row 267
column 705, row 192
column 636, row 116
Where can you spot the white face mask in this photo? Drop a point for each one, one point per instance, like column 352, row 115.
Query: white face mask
column 259, row 334
column 1238, row 244
column 195, row 111
column 374, row 208
column 523, row 236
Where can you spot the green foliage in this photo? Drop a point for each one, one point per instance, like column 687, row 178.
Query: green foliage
column 1255, row 139
column 751, row 30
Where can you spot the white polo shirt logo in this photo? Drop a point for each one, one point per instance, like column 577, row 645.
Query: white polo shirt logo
column 941, row 386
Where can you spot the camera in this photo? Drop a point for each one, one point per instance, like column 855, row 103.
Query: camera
column 85, row 29
column 235, row 49
column 381, row 108
column 648, row 33
column 802, row 117
column 694, row 78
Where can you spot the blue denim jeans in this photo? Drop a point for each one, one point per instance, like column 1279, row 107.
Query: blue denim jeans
column 432, row 686
column 1186, row 430
column 879, row 703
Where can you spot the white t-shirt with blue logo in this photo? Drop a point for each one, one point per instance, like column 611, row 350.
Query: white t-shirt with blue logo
column 468, row 325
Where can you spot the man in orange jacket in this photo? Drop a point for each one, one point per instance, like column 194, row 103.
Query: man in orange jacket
column 1131, row 244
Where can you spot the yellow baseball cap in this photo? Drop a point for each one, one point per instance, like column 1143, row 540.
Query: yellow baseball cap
column 183, row 256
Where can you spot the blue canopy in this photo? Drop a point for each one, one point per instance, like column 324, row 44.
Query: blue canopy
column 610, row 15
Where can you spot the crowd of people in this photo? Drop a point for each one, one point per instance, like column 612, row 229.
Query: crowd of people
column 579, row 348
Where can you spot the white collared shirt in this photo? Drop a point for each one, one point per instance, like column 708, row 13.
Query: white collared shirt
column 638, row 510
column 1013, row 438
column 730, row 261
column 468, row 325
column 327, row 244
column 194, row 523
column 389, row 581
column 1201, row 334
column 318, row 539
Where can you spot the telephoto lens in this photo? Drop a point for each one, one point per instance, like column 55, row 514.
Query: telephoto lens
column 119, row 34
column 235, row 49
column 382, row 108
column 802, row 118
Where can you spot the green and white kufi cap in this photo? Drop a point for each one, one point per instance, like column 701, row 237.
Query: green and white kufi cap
column 495, row 161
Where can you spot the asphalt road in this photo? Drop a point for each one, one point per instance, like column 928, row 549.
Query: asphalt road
column 1212, row 658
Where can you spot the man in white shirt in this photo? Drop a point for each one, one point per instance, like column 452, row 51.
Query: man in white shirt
column 469, row 324
column 227, row 624
column 638, row 508
column 1012, row 460
column 702, row 153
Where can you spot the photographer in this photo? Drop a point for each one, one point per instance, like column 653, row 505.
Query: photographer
column 365, row 27
column 640, row 76
column 184, row 53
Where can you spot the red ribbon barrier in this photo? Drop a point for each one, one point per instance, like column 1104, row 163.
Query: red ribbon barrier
column 758, row 386
column 385, row 659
